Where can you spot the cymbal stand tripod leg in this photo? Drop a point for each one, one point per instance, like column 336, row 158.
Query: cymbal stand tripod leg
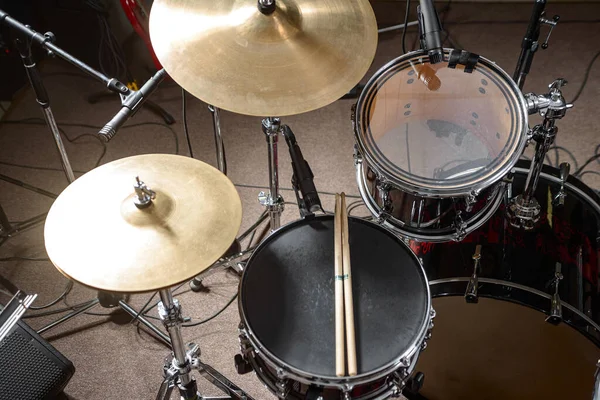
column 109, row 300
column 178, row 372
column 273, row 201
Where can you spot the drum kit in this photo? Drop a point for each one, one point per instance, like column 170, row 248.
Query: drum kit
column 506, row 251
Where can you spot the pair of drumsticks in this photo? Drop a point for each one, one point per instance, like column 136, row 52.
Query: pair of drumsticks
column 345, row 341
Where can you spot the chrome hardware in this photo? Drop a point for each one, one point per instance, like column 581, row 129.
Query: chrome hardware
column 555, row 316
column 552, row 23
column 283, row 387
column 461, row 228
column 559, row 199
column 144, row 195
column 470, row 200
column 551, row 105
column 471, row 292
column 523, row 214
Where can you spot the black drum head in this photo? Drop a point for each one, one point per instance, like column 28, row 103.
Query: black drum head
column 287, row 296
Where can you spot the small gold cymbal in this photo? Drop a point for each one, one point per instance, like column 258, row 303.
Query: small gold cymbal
column 303, row 56
column 96, row 235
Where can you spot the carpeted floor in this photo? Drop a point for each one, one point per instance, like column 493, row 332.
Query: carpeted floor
column 117, row 360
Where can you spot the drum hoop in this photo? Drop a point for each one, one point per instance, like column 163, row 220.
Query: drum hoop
column 464, row 188
column 347, row 382
column 480, row 218
column 576, row 185
column 520, row 287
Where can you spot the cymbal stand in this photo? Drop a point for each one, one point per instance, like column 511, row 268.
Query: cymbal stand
column 273, row 201
column 524, row 210
column 221, row 160
column 178, row 368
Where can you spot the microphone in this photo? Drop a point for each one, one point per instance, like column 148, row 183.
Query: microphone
column 428, row 76
column 130, row 105
column 302, row 172
column 430, row 28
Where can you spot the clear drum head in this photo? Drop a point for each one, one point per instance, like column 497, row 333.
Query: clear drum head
column 440, row 131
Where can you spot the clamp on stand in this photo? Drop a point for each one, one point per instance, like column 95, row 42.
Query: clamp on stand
column 272, row 201
column 178, row 367
column 524, row 210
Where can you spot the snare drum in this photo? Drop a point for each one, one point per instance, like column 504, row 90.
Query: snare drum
column 434, row 142
column 286, row 303
column 511, row 343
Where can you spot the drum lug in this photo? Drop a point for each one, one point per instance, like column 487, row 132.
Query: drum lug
column 282, row 384
column 559, row 198
column 384, row 192
column 357, row 156
column 460, row 227
column 555, row 316
column 470, row 201
column 471, row 292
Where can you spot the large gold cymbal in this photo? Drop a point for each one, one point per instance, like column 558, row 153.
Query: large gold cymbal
column 303, row 56
column 96, row 235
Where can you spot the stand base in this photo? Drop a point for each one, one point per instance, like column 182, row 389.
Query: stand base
column 189, row 391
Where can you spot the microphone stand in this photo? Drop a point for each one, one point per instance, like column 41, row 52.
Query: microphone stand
column 26, row 37
column 530, row 43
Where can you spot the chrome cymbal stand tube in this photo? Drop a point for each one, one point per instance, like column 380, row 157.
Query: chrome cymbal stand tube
column 221, row 161
column 524, row 210
column 273, row 201
column 178, row 371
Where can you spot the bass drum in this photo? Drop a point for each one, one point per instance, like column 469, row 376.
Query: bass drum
column 286, row 303
column 504, row 347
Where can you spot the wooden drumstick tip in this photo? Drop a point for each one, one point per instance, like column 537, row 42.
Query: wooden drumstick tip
column 340, row 348
column 348, row 297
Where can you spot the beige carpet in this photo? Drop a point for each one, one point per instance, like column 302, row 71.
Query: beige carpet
column 114, row 359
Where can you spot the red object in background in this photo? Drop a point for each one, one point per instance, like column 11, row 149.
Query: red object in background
column 137, row 14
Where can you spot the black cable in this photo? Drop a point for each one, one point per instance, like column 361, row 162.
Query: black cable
column 404, row 28
column 185, row 126
column 571, row 155
column 59, row 310
column 23, row 259
column 585, row 77
column 589, row 160
column 215, row 315
column 65, row 292
column 137, row 315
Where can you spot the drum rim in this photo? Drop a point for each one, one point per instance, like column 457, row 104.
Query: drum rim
column 346, row 382
column 462, row 189
column 498, row 282
column 479, row 219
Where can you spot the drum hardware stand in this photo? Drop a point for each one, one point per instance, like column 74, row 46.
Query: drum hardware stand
column 559, row 199
column 273, row 201
column 178, row 368
column 524, row 210
column 471, row 292
column 530, row 43
column 596, row 394
column 555, row 316
column 221, row 160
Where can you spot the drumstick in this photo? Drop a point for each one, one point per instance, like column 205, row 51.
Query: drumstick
column 348, row 298
column 340, row 359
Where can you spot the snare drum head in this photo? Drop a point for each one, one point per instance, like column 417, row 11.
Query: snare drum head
column 441, row 131
column 287, row 297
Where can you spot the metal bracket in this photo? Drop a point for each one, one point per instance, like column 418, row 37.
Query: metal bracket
column 471, row 292
column 559, row 199
column 555, row 316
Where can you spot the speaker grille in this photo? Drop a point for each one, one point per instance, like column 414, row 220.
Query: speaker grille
column 26, row 371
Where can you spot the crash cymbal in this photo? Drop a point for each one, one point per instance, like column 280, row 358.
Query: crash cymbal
column 303, row 56
column 96, row 235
